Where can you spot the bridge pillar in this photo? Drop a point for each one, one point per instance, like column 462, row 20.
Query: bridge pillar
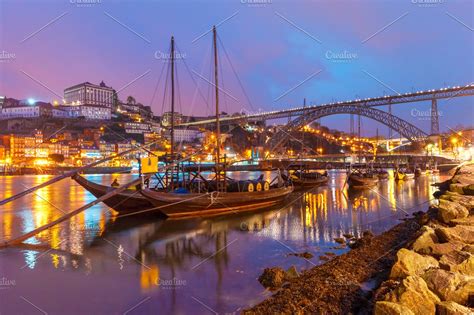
column 390, row 112
column 434, row 117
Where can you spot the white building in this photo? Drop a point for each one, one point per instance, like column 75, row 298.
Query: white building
column 90, row 94
column 185, row 135
column 26, row 111
column 95, row 112
column 135, row 127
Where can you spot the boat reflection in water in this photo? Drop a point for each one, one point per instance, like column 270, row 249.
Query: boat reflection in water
column 114, row 262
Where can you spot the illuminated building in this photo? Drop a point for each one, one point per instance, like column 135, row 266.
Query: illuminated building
column 135, row 127
column 90, row 94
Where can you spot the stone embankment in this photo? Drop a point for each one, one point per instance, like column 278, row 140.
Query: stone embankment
column 424, row 265
column 435, row 274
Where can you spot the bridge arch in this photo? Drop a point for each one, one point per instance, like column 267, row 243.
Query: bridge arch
column 403, row 127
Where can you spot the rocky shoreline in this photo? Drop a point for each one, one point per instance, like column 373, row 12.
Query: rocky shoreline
column 424, row 265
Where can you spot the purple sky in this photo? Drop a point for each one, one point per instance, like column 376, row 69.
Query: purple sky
column 277, row 48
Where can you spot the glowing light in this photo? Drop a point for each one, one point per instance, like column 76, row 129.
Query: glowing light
column 31, row 101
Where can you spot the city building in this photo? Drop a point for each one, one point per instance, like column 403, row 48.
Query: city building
column 26, row 109
column 93, row 112
column 138, row 128
column 90, row 94
column 185, row 135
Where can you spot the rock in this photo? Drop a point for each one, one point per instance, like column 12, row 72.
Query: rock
column 409, row 263
column 458, row 188
column 391, row 308
column 452, row 308
column 324, row 257
column 306, row 255
column 438, row 250
column 468, row 248
column 340, row 240
column 272, row 277
column 462, row 233
column 291, row 273
column 465, row 200
column 449, row 286
column 329, row 254
column 466, row 267
column 366, row 239
column 414, row 294
column 452, row 259
column 448, row 210
column 348, row 235
column 368, row 234
column 424, row 243
column 465, row 221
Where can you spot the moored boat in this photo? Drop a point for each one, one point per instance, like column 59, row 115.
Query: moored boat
column 181, row 205
column 361, row 179
column 187, row 194
column 128, row 201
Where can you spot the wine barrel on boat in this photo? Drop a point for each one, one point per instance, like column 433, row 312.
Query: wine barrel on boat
column 241, row 186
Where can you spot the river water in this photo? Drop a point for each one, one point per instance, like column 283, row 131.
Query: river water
column 98, row 264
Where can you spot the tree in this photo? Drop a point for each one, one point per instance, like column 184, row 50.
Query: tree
column 131, row 100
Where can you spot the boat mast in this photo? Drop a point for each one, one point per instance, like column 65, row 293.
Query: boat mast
column 172, row 109
column 218, row 127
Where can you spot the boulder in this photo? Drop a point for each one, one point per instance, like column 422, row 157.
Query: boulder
column 448, row 210
column 438, row 250
column 340, row 240
column 466, row 267
column 449, row 286
column 464, row 221
column 291, row 273
column 461, row 233
column 414, row 294
column 424, row 243
column 468, row 248
column 452, row 308
column 391, row 308
column 465, row 200
column 409, row 263
column 453, row 258
column 456, row 187
column 272, row 277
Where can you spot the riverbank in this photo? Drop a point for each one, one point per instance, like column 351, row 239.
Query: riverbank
column 348, row 283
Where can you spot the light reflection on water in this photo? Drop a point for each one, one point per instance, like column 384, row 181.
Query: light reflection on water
column 97, row 263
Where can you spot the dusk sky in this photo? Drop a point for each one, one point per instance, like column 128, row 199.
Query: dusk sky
column 283, row 51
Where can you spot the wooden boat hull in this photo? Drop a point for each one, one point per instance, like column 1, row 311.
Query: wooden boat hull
column 309, row 182
column 128, row 201
column 177, row 205
column 358, row 181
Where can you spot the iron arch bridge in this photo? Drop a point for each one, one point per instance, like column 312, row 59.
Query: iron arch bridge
column 403, row 127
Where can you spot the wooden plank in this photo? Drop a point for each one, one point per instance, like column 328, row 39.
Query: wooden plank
column 26, row 236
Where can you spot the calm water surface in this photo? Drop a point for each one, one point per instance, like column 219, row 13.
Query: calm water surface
column 97, row 263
